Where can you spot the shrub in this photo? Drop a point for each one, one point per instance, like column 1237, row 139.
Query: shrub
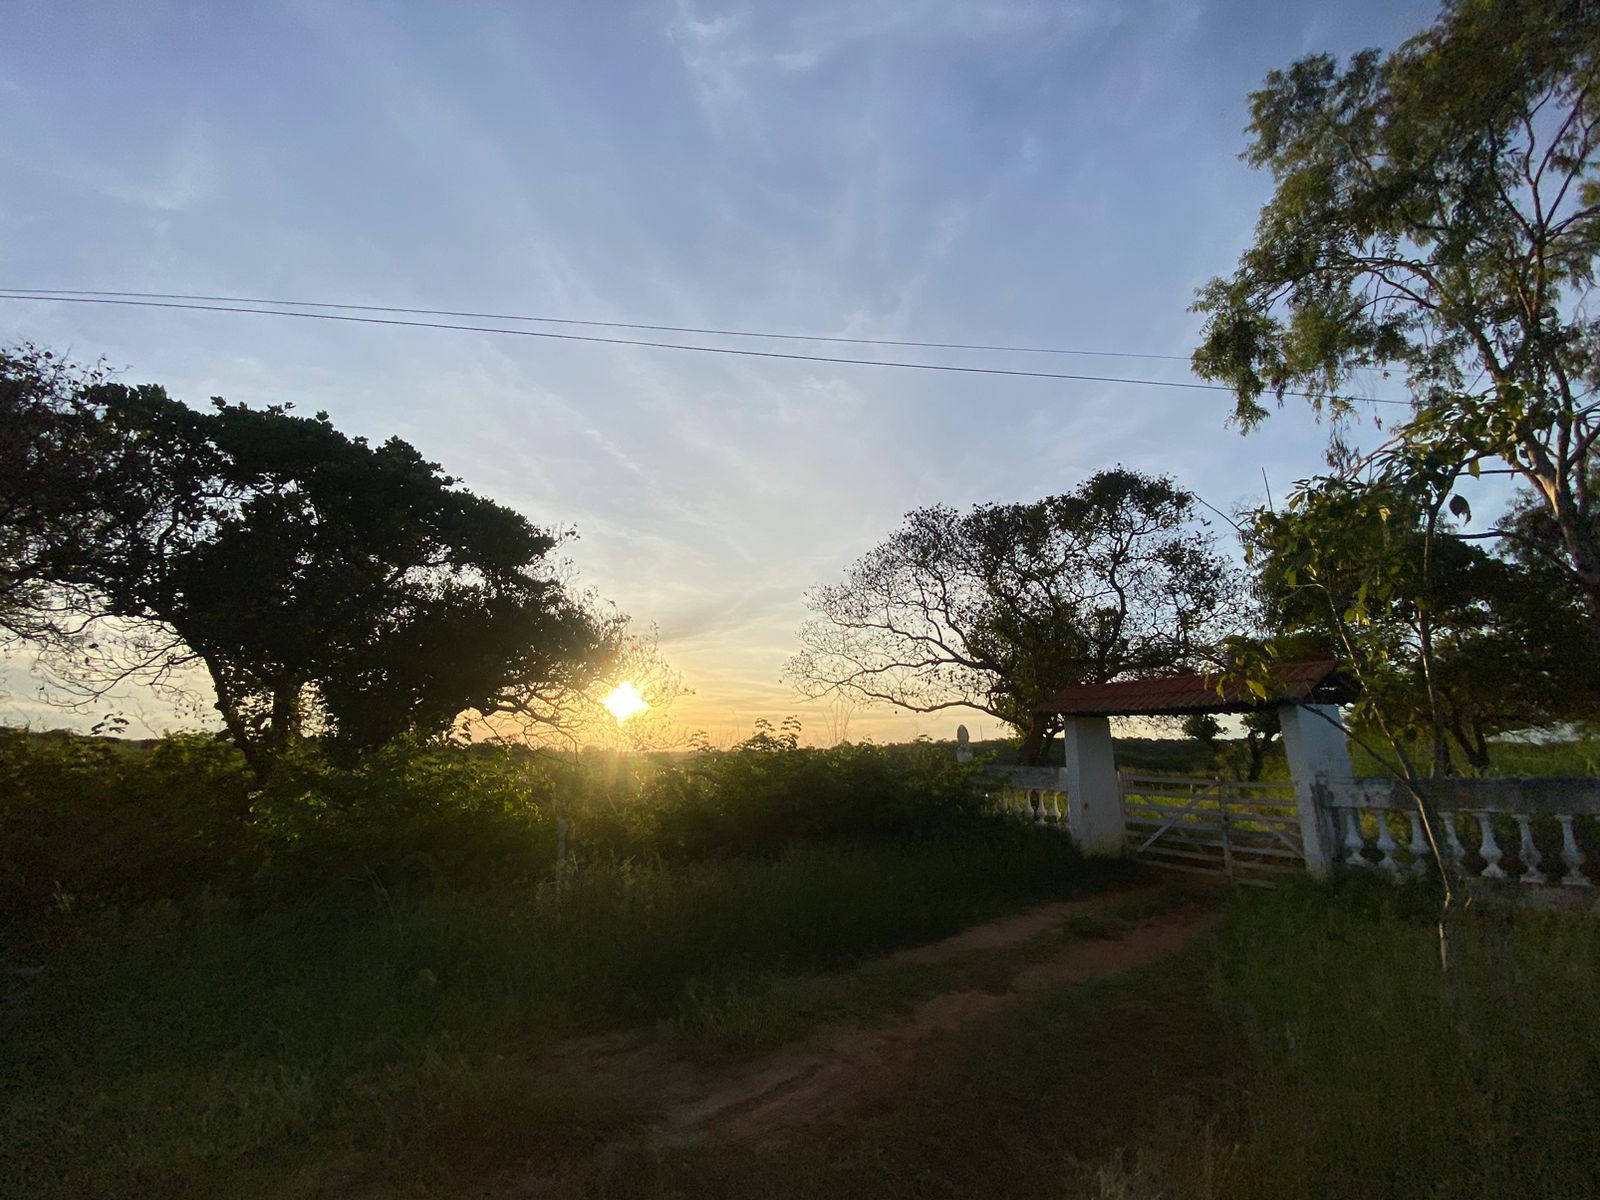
column 83, row 817
column 87, row 819
column 769, row 792
column 412, row 814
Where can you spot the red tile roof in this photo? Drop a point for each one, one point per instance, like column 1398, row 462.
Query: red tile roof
column 1303, row 682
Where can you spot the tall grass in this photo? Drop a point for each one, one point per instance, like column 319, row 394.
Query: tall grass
column 1311, row 1048
column 172, row 1049
column 1374, row 1073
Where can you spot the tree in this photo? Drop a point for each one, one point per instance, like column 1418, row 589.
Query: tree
column 996, row 608
column 324, row 583
column 1436, row 214
column 1452, row 644
column 63, row 486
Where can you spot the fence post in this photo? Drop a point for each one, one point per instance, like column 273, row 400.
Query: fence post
column 1094, row 799
column 1317, row 752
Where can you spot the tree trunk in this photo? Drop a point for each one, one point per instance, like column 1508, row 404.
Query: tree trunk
column 1582, row 551
column 234, row 723
column 1474, row 746
column 1257, row 744
column 1036, row 742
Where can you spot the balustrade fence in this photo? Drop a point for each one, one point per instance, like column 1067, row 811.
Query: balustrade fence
column 1532, row 830
column 1036, row 794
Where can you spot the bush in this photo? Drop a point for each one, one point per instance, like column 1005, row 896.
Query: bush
column 410, row 815
column 84, row 817
column 86, row 820
column 90, row 820
column 769, row 792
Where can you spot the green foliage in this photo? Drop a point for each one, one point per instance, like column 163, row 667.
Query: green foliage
column 1436, row 214
column 768, row 792
column 86, row 822
column 319, row 580
column 80, row 818
column 410, row 815
column 1452, row 645
column 90, row 821
column 998, row 607
column 48, row 451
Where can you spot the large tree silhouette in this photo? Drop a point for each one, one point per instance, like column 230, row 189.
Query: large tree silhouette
column 324, row 583
column 995, row 608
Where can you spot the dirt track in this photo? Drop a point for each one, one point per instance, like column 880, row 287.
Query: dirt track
column 843, row 1070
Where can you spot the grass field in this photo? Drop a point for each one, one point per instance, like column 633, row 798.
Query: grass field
column 353, row 992
column 1310, row 1047
column 160, row 1050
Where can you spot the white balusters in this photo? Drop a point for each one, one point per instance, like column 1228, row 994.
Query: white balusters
column 1528, row 852
column 1063, row 822
column 1354, row 841
column 1036, row 806
column 1529, row 858
column 1419, row 846
column 1571, row 856
column 1490, row 849
column 1452, row 840
column 1386, row 844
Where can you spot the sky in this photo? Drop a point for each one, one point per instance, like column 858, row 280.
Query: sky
column 1004, row 171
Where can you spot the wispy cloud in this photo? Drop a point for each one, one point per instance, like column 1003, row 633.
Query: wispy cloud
column 185, row 173
column 1018, row 170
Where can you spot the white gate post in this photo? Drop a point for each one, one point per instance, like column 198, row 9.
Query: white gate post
column 1094, row 802
column 1316, row 747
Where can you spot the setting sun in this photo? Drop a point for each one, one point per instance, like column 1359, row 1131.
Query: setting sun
column 625, row 701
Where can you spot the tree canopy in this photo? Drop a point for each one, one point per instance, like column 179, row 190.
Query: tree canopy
column 323, row 582
column 1452, row 643
column 995, row 608
column 1435, row 216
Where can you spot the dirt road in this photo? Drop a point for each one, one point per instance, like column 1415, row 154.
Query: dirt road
column 843, row 1070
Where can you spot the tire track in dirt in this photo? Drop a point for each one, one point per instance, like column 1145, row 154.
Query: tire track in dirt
column 845, row 1068
column 842, row 1069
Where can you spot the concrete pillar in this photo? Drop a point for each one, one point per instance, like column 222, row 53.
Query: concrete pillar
column 1094, row 802
column 1316, row 748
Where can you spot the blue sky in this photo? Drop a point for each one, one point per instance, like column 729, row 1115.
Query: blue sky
column 1057, row 174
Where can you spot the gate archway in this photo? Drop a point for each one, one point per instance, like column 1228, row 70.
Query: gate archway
column 1208, row 825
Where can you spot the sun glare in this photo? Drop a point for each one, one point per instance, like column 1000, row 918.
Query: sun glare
column 625, row 701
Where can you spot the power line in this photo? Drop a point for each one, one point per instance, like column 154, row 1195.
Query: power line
column 490, row 316
column 11, row 294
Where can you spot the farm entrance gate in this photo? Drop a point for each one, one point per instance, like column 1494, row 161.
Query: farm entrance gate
column 1246, row 832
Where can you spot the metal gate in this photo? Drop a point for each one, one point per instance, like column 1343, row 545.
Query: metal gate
column 1249, row 832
